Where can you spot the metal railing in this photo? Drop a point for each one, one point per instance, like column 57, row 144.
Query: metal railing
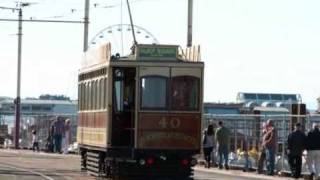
column 40, row 123
column 248, row 127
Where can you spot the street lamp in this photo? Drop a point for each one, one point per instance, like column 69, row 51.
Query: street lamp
column 17, row 100
column 20, row 5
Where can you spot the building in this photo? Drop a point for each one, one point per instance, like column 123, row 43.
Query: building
column 38, row 106
column 268, row 99
column 222, row 108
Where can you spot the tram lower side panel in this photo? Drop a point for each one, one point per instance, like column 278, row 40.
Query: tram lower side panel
column 128, row 163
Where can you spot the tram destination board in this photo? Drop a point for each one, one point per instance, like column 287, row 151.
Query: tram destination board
column 157, row 52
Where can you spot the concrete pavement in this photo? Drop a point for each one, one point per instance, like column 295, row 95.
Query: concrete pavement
column 238, row 173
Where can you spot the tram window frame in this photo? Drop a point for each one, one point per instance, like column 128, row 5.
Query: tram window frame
column 166, row 103
column 173, row 103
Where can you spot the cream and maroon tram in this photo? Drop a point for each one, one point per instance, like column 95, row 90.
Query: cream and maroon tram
column 140, row 115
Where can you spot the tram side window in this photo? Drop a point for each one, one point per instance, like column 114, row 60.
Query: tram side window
column 79, row 95
column 93, row 97
column 102, row 92
column 96, row 100
column 84, row 106
column 99, row 94
column 105, row 92
column 82, row 96
column 89, row 96
column 185, row 93
column 154, row 92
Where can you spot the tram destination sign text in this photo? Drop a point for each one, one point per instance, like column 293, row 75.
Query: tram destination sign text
column 157, row 53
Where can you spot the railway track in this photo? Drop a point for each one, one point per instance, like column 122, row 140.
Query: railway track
column 9, row 171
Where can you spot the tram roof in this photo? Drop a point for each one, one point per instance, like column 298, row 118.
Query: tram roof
column 153, row 53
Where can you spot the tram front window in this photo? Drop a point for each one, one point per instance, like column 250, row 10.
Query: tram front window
column 185, row 93
column 153, row 92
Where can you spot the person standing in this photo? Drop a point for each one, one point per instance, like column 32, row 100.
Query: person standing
column 58, row 131
column 313, row 148
column 35, row 141
column 208, row 145
column 223, row 138
column 67, row 136
column 296, row 145
column 262, row 156
column 270, row 145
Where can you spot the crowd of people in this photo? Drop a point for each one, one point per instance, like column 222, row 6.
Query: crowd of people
column 218, row 140
column 59, row 136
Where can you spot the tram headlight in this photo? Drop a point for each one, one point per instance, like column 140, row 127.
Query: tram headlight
column 163, row 158
column 142, row 162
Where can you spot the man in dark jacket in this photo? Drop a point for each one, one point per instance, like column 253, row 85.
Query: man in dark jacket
column 313, row 148
column 296, row 145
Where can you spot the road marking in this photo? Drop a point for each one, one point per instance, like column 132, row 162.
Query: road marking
column 26, row 170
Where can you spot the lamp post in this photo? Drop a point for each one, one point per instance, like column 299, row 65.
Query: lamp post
column 17, row 100
column 17, row 103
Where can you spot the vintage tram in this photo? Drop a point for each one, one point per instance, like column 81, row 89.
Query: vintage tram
column 140, row 115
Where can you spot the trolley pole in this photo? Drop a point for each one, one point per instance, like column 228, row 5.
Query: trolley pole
column 17, row 101
column 190, row 17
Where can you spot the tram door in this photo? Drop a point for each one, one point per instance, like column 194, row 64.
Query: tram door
column 123, row 110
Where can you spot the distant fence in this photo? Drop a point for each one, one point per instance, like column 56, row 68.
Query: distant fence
column 40, row 123
column 247, row 127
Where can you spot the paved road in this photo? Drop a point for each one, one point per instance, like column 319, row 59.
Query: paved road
column 26, row 165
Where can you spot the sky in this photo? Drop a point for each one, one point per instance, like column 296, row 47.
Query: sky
column 247, row 45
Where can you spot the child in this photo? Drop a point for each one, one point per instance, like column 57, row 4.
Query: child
column 35, row 143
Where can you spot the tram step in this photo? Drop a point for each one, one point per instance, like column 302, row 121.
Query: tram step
column 92, row 169
column 93, row 160
column 92, row 154
column 92, row 164
column 93, row 173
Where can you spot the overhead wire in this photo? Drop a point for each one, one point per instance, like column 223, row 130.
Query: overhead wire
column 73, row 10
